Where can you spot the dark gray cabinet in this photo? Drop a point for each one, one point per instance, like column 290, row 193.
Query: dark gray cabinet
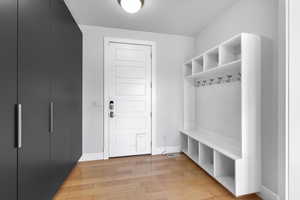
column 41, row 69
column 34, row 96
column 8, row 99
column 66, row 91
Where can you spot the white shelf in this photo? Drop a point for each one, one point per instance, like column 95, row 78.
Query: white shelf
column 221, row 71
column 228, row 182
column 198, row 64
column 211, row 59
column 225, row 171
column 224, row 145
column 208, row 167
column 206, row 158
column 231, row 50
column 194, row 157
column 188, row 70
column 231, row 155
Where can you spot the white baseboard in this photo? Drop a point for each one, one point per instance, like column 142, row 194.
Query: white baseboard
column 155, row 151
column 267, row 194
column 165, row 150
column 91, row 157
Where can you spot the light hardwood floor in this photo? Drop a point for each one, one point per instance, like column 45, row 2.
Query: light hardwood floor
column 143, row 178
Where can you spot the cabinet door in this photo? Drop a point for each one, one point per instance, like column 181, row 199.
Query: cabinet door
column 76, row 79
column 8, row 100
column 61, row 89
column 74, row 53
column 35, row 55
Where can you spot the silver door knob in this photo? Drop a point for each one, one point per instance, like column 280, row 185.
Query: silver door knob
column 111, row 114
column 111, row 105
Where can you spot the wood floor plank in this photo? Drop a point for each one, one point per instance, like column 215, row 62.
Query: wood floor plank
column 143, row 178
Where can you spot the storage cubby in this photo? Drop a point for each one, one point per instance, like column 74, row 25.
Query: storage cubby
column 184, row 143
column 225, row 171
column 198, row 65
column 206, row 158
column 188, row 68
column 231, row 51
column 193, row 147
column 220, row 116
column 211, row 59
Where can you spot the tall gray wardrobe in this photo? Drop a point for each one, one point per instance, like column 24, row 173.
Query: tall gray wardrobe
column 41, row 97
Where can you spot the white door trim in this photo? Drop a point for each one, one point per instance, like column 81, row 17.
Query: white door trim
column 290, row 103
column 152, row 44
column 282, row 85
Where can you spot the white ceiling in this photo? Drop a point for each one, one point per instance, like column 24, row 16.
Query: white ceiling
column 183, row 17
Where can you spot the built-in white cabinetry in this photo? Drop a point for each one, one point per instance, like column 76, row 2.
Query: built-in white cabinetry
column 222, row 113
column 188, row 68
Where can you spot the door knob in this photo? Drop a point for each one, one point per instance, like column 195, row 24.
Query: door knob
column 111, row 114
column 111, row 105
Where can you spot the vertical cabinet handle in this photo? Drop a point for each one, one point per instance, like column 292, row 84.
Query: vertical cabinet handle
column 51, row 117
column 19, row 126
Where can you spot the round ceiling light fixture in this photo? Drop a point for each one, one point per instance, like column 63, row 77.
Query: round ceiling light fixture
column 131, row 6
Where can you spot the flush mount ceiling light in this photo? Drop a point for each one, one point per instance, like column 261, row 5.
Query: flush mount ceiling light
column 131, row 6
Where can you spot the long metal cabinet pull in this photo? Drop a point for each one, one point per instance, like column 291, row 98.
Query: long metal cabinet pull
column 51, row 117
column 19, row 126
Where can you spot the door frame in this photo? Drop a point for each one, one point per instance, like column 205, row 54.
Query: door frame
column 290, row 103
column 107, row 41
column 283, row 99
column 289, row 96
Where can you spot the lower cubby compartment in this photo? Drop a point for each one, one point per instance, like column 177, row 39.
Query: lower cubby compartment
column 184, row 143
column 206, row 158
column 225, row 171
column 193, row 146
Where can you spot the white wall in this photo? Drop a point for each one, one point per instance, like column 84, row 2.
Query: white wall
column 172, row 51
column 258, row 17
column 254, row 16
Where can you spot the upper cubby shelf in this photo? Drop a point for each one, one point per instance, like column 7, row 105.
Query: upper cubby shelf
column 188, row 68
column 218, row 61
column 231, row 50
column 211, row 59
column 226, row 69
column 198, row 64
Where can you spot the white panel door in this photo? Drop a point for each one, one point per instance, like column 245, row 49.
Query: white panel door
column 129, row 101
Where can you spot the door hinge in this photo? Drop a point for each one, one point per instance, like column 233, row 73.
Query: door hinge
column 150, row 114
